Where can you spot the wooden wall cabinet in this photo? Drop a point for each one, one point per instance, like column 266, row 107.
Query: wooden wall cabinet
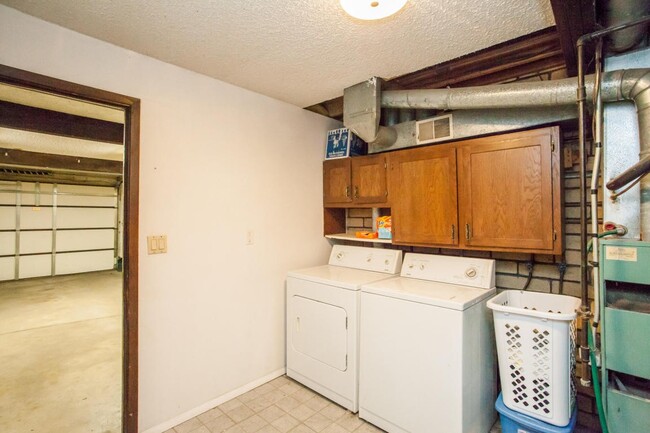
column 355, row 182
column 498, row 193
column 424, row 203
column 509, row 189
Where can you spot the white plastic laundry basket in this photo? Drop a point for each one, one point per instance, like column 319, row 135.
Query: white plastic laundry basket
column 535, row 336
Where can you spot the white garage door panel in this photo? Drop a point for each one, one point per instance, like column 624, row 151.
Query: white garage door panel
column 73, row 263
column 35, row 219
column 7, row 197
column 7, row 218
column 7, row 243
column 84, row 200
column 92, row 199
column 35, row 242
column 35, row 266
column 85, row 218
column 6, row 268
column 75, row 240
column 44, row 198
column 85, row 189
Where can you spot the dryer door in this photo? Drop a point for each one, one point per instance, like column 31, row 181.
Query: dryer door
column 319, row 330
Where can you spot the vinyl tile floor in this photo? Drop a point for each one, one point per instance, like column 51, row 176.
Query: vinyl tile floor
column 280, row 406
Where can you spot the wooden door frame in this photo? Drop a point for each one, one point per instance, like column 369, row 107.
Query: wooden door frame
column 131, row 107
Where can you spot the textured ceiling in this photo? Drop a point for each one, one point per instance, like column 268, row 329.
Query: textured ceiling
column 299, row 51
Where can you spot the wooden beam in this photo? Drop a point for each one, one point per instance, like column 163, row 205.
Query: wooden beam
column 542, row 45
column 530, row 54
column 26, row 118
column 46, row 160
column 573, row 19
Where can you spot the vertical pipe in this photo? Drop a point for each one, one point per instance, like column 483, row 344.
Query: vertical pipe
column 585, row 376
column 598, row 139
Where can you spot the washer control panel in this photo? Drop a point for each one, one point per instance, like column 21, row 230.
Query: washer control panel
column 467, row 271
column 369, row 259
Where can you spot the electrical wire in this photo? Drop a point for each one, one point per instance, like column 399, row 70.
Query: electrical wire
column 530, row 265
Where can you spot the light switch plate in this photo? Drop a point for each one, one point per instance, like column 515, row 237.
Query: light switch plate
column 157, row 244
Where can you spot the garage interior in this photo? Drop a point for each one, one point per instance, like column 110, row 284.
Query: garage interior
column 60, row 263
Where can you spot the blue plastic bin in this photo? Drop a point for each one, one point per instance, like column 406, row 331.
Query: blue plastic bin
column 515, row 422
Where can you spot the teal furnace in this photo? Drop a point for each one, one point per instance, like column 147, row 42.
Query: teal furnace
column 625, row 333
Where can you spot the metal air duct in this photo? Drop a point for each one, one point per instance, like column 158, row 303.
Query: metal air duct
column 617, row 12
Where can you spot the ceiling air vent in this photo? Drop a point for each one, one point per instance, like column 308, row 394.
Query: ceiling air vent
column 24, row 172
column 434, row 129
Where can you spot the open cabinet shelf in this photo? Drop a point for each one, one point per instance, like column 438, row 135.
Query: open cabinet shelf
column 351, row 237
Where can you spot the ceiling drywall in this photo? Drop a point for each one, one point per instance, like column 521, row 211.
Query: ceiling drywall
column 299, row 51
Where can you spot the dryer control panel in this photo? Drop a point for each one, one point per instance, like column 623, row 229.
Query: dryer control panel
column 368, row 259
column 466, row 271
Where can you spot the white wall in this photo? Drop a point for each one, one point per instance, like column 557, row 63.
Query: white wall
column 216, row 161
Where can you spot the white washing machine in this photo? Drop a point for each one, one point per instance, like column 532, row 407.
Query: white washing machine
column 427, row 347
column 322, row 319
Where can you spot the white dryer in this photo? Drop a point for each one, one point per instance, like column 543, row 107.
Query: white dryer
column 427, row 347
column 322, row 319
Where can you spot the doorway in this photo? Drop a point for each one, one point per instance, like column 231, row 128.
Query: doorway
column 131, row 108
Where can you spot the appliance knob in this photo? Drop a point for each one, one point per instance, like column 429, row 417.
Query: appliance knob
column 387, row 262
column 339, row 256
column 411, row 266
column 470, row 273
column 422, row 267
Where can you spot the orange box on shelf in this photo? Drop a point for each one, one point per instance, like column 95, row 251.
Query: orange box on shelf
column 384, row 227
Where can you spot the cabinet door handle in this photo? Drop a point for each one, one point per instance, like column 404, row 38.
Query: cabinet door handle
column 347, row 191
column 468, row 232
column 356, row 192
column 453, row 232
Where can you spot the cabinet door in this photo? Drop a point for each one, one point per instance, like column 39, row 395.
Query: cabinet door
column 336, row 181
column 506, row 191
column 369, row 184
column 423, row 196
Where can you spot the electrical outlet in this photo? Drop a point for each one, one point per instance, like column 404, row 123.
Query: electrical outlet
column 250, row 237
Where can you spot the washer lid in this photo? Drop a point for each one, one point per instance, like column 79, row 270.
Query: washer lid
column 445, row 295
column 338, row 276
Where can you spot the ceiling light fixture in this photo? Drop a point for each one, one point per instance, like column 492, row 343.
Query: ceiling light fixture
column 372, row 9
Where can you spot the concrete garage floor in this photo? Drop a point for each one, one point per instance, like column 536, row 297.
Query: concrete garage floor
column 61, row 356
